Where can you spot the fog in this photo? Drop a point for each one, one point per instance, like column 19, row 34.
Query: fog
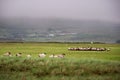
column 105, row 10
column 60, row 20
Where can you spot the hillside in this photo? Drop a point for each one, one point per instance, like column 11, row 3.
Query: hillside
column 30, row 29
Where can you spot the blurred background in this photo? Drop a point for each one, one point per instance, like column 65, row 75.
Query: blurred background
column 60, row 20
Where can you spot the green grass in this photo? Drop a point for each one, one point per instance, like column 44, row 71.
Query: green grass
column 48, row 69
column 56, row 48
column 77, row 65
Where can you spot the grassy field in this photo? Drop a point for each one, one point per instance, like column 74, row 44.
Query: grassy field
column 77, row 65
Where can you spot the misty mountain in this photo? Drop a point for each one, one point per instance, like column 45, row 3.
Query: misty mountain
column 49, row 29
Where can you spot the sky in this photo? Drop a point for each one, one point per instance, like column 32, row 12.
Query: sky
column 106, row 10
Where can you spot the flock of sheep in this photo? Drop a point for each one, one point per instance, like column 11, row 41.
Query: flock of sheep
column 88, row 49
column 42, row 55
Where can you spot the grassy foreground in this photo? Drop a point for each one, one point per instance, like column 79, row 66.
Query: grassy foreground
column 77, row 65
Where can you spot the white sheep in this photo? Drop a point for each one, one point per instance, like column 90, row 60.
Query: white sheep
column 19, row 54
column 42, row 55
column 7, row 54
column 28, row 56
column 61, row 55
column 57, row 56
column 108, row 49
column 51, row 56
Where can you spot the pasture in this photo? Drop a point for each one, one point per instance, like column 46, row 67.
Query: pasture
column 77, row 65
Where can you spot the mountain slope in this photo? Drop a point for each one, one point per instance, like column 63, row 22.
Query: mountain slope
column 59, row 30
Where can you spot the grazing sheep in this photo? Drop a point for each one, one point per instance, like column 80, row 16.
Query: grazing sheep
column 28, row 56
column 19, row 54
column 57, row 56
column 108, row 49
column 42, row 55
column 61, row 55
column 93, row 49
column 88, row 49
column 71, row 49
column 7, row 54
column 52, row 56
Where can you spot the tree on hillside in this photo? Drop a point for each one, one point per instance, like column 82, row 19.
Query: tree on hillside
column 118, row 41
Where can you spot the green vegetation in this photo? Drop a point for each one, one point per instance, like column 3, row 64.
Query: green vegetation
column 77, row 65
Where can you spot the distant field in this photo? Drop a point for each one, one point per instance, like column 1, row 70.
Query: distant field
column 77, row 65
